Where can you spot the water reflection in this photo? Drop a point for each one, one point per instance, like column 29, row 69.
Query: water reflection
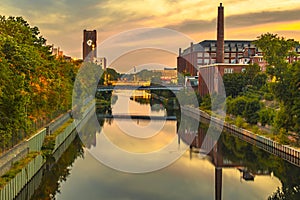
column 46, row 184
column 233, row 169
column 253, row 164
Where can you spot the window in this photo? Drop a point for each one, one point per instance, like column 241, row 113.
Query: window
column 200, row 61
column 213, row 55
column 233, row 49
column 206, row 49
column 200, row 54
column 206, row 61
column 228, row 70
column 206, row 55
column 226, row 55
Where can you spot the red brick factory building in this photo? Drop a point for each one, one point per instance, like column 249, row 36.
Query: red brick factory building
column 206, row 58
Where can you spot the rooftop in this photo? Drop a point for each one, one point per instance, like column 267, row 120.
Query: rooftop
column 213, row 43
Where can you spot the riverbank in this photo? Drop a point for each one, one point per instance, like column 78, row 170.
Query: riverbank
column 43, row 145
column 286, row 152
column 21, row 150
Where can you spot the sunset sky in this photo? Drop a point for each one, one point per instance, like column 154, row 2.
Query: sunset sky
column 62, row 22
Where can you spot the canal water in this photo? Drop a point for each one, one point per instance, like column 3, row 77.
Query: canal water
column 233, row 169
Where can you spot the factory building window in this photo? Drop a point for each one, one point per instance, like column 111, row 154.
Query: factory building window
column 200, row 54
column 199, row 61
column 228, row 71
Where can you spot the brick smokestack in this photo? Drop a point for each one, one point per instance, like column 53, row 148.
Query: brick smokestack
column 220, row 35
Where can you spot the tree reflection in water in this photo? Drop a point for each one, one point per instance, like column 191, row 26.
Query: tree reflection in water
column 57, row 172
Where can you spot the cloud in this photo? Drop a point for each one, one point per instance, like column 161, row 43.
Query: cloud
column 62, row 22
column 192, row 26
column 155, row 58
column 237, row 21
column 258, row 18
column 139, row 39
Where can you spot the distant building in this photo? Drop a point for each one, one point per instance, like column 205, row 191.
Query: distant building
column 168, row 75
column 54, row 51
column 57, row 52
column 89, row 46
column 101, row 61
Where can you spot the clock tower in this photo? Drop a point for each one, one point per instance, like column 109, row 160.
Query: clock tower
column 89, row 45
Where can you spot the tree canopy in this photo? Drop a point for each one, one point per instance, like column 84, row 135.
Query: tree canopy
column 285, row 86
column 34, row 84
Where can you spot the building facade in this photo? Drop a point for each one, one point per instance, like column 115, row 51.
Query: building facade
column 210, row 76
column 89, row 46
column 205, row 53
column 101, row 61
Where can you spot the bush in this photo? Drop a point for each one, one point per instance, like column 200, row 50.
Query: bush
column 266, row 116
column 239, row 122
column 268, row 96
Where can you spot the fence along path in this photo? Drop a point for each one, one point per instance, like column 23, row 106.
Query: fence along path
column 15, row 185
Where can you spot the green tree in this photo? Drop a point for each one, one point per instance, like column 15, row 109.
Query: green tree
column 251, row 111
column 251, row 72
column 33, row 83
column 285, row 86
column 234, row 83
column 276, row 50
column 236, row 106
column 266, row 116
